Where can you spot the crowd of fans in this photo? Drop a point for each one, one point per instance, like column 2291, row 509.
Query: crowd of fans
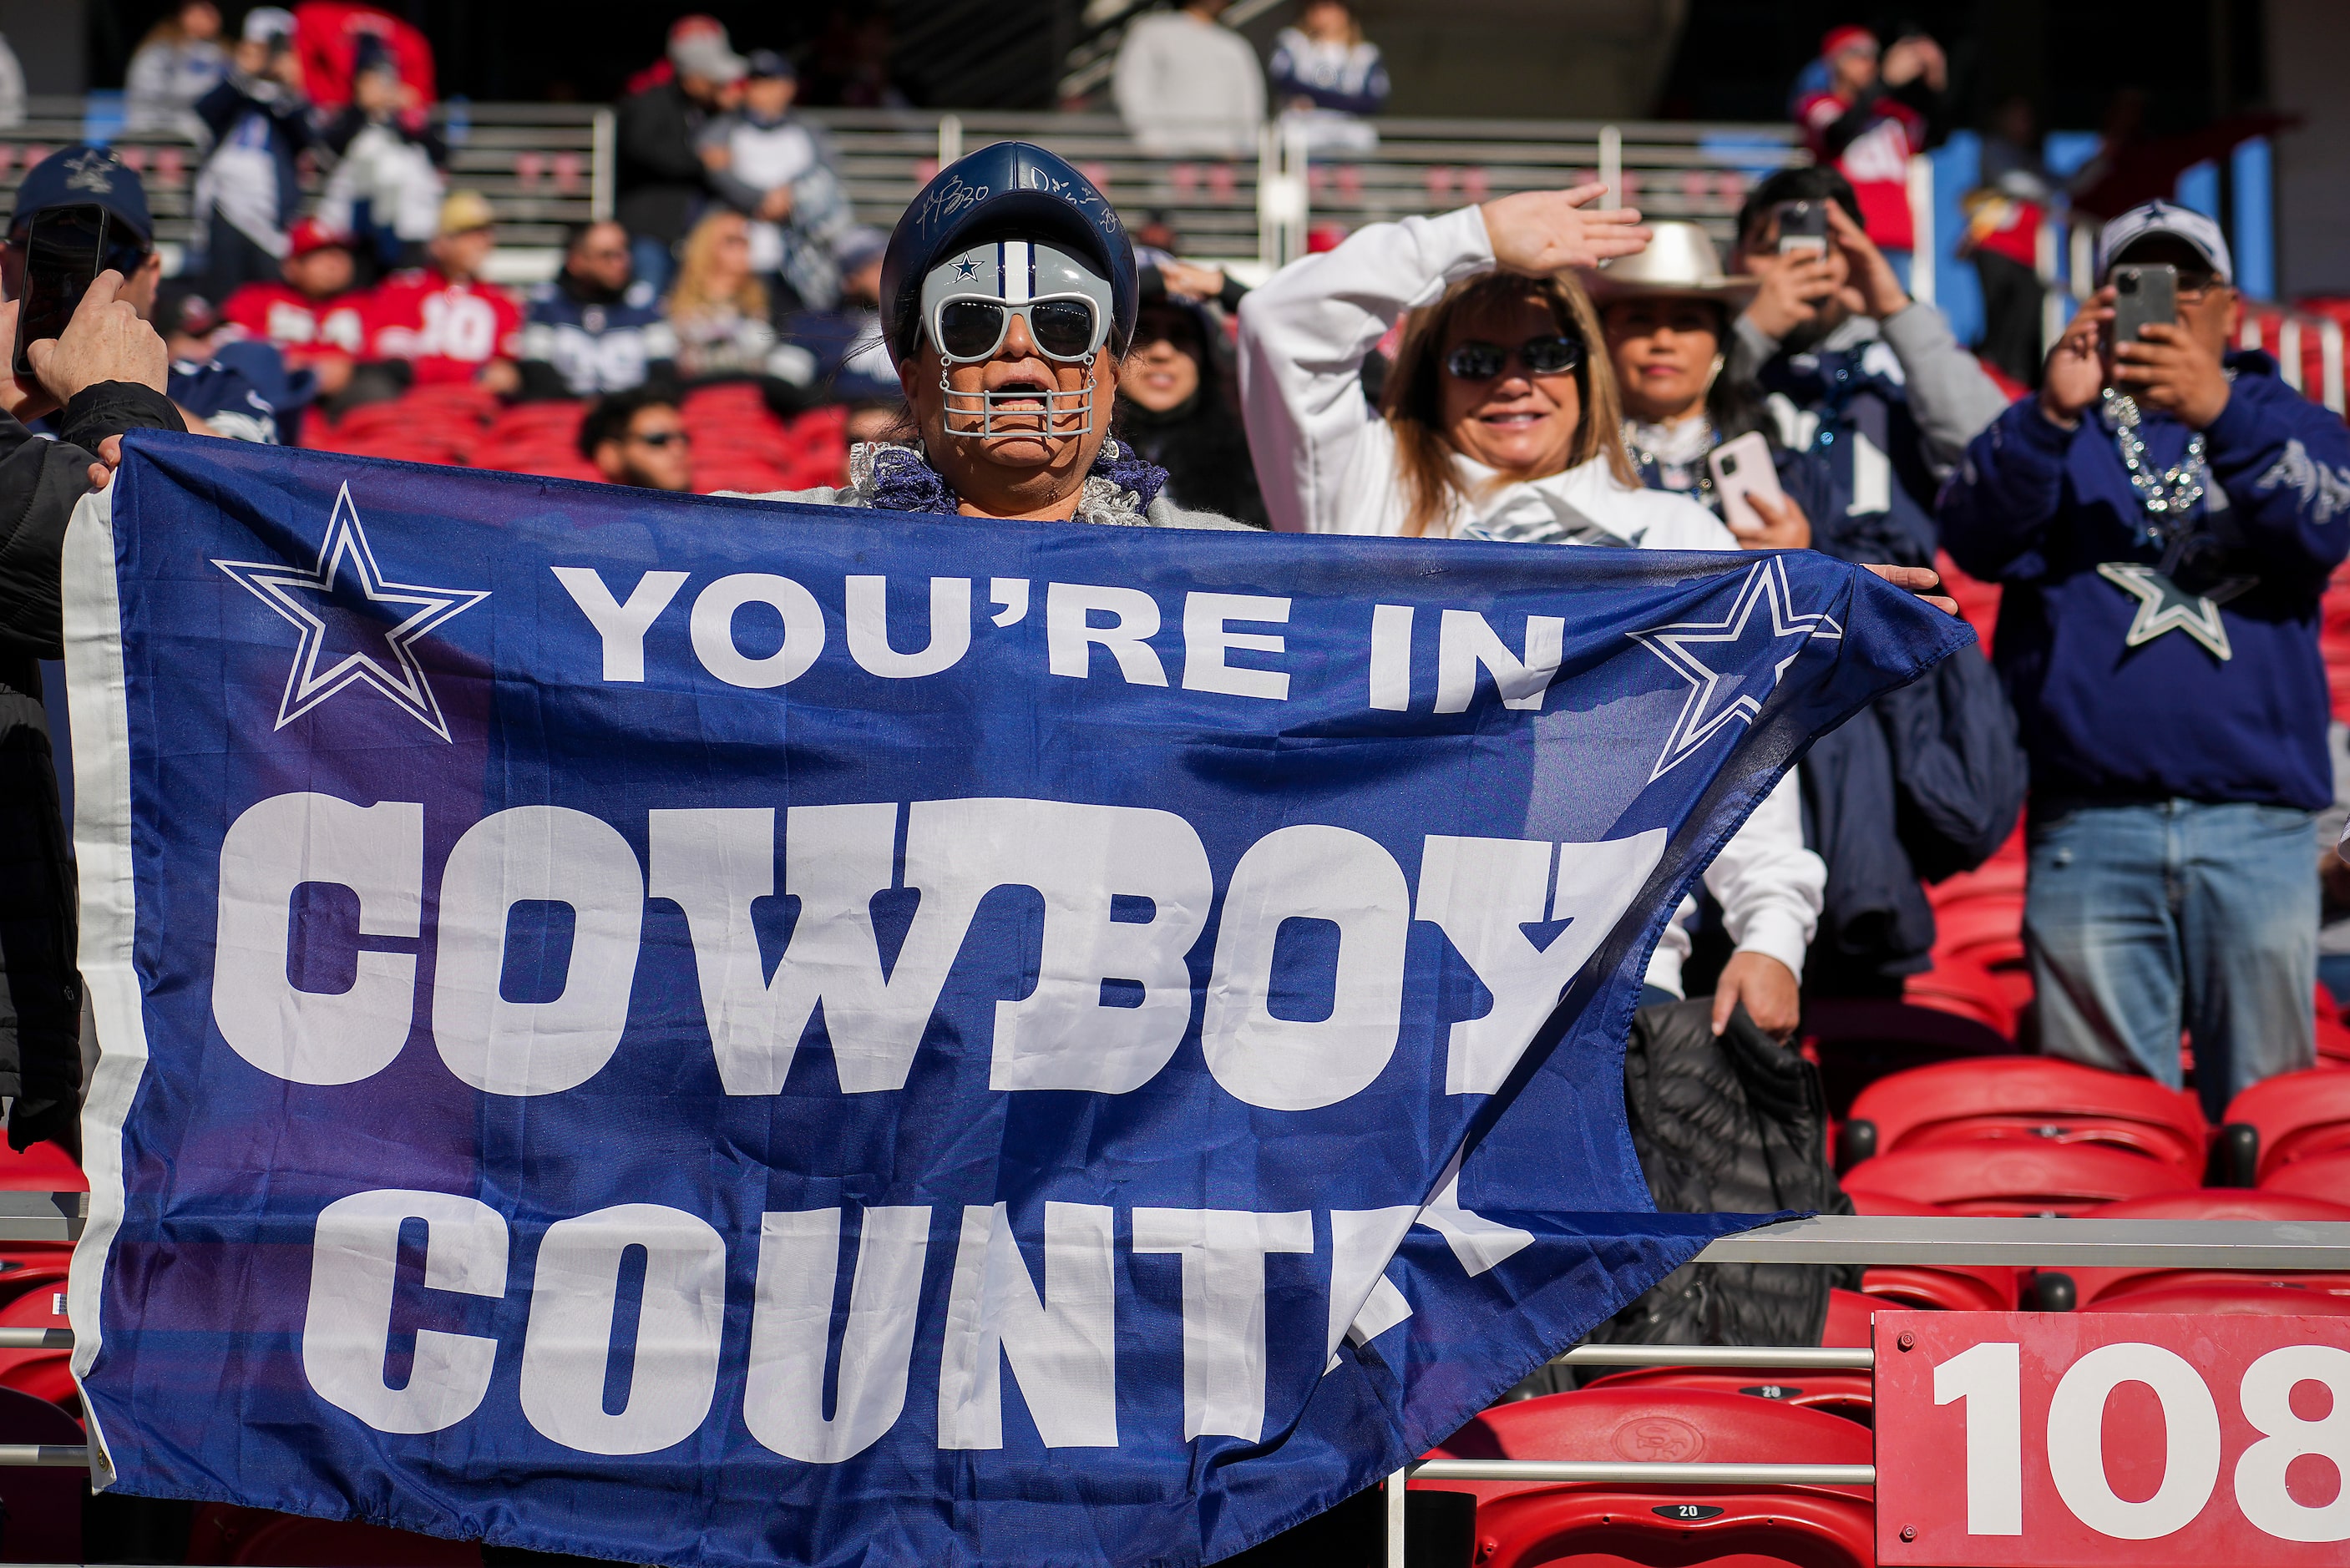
column 1475, row 374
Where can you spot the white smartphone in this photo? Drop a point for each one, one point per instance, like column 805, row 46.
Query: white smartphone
column 1742, row 468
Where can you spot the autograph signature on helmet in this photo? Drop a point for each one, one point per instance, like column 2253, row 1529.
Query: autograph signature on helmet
column 950, row 199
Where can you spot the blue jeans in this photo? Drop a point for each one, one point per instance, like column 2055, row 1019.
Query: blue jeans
column 2141, row 920
column 651, row 260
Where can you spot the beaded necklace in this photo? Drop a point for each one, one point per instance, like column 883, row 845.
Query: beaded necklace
column 2168, row 495
column 1645, row 458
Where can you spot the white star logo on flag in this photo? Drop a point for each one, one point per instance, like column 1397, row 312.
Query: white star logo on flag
column 1717, row 698
column 395, row 672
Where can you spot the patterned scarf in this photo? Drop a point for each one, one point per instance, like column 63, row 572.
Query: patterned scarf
column 1118, row 488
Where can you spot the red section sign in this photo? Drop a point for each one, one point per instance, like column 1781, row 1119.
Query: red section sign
column 2023, row 1439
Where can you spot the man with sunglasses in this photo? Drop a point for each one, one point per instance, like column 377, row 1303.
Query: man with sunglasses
column 2163, row 517
column 1008, row 297
column 638, row 438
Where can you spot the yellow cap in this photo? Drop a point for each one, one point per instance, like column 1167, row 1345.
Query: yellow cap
column 462, row 211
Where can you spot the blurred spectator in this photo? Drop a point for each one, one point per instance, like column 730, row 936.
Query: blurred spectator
column 12, row 86
column 442, row 321
column 2162, row 518
column 311, row 316
column 718, row 310
column 179, row 61
column 2005, row 215
column 1852, row 368
column 1327, row 78
column 1188, row 85
column 1172, row 411
column 1869, row 119
column 250, row 188
column 662, row 179
column 594, row 329
column 638, row 438
column 848, row 67
column 776, row 169
column 224, row 383
column 852, row 362
column 387, row 184
column 335, row 37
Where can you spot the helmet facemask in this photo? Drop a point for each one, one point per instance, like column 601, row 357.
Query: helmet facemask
column 968, row 301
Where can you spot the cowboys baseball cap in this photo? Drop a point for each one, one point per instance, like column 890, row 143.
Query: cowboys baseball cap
column 2155, row 218
column 84, row 175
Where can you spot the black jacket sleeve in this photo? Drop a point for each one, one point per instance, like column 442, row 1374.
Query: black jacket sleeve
column 40, row 484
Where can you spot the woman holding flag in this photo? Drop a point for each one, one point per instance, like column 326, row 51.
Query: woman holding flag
column 1009, row 293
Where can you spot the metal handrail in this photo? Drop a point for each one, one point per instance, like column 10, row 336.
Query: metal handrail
column 1742, row 1357
column 2261, row 1245
column 1640, row 1472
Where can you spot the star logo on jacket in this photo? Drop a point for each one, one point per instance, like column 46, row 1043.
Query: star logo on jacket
column 2164, row 606
column 1762, row 616
column 356, row 628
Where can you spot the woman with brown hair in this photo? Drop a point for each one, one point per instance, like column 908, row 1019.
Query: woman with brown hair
column 1501, row 419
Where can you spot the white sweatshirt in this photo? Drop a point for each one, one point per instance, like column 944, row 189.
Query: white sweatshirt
column 1189, row 89
column 1327, row 463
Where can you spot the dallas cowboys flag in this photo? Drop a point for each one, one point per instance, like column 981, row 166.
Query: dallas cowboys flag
column 693, row 1030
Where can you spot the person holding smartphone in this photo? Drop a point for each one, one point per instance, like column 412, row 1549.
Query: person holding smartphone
column 1926, row 783
column 1849, row 367
column 103, row 374
column 2163, row 517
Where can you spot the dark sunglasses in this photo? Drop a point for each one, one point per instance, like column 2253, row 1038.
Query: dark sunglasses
column 971, row 330
column 665, row 438
column 1552, row 356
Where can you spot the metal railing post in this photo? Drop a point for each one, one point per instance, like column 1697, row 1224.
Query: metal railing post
column 603, row 144
column 2289, row 353
column 2329, row 359
column 1395, row 1517
column 2084, row 269
column 1611, row 165
column 950, row 138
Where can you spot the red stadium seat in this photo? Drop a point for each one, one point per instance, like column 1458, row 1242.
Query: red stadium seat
column 2297, row 1115
column 2092, row 1285
column 2229, row 1297
column 44, row 1168
column 264, row 1538
column 2035, row 1099
column 1847, row 1394
column 1963, row 987
column 43, row 1506
column 1849, row 1312
column 1523, row 1523
column 2013, row 1177
column 1940, row 1287
column 2325, row 1176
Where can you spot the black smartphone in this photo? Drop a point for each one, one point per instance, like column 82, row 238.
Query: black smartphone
column 1803, row 226
column 64, row 250
column 2142, row 297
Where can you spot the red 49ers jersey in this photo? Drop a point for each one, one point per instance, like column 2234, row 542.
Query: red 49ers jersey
column 449, row 330
column 282, row 314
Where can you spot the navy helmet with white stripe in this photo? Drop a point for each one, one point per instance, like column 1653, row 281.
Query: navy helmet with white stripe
column 1011, row 191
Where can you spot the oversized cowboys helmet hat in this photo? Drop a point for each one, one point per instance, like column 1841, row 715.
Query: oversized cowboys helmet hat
column 1011, row 190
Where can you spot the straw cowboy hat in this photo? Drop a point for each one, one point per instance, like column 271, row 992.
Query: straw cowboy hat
column 1679, row 262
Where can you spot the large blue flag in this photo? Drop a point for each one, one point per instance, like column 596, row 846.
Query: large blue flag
column 693, row 1030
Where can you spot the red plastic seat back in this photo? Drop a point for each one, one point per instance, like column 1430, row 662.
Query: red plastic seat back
column 1621, row 1528
column 1847, row 1394
column 2092, row 1285
column 2325, row 1176
column 44, row 1168
column 2202, row 1295
column 2025, row 1176
column 2019, row 1095
column 2297, row 1115
column 1684, row 1425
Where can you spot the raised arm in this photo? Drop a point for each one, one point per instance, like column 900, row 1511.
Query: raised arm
column 1305, row 334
